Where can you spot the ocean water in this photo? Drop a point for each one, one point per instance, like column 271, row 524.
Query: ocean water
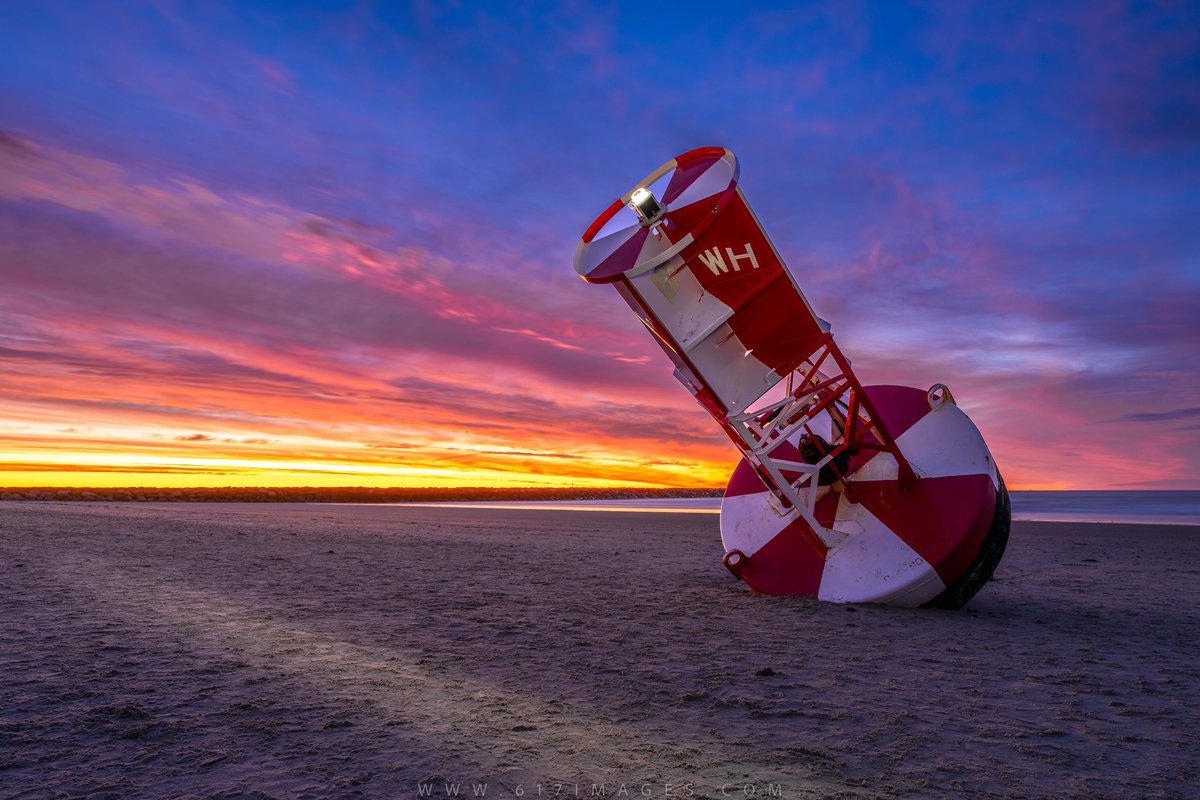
column 1146, row 507
column 1161, row 507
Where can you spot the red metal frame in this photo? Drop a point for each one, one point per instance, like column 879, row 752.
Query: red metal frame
column 761, row 432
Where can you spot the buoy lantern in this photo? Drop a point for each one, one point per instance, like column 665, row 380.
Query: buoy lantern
column 850, row 493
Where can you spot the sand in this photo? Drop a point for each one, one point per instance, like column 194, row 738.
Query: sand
column 205, row 650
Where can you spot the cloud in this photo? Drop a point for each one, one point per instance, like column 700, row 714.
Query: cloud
column 280, row 278
column 1165, row 416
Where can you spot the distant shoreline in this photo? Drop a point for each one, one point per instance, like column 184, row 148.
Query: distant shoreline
column 1157, row 507
column 441, row 494
column 339, row 494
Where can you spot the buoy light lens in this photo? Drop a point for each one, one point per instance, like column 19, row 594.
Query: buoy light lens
column 643, row 202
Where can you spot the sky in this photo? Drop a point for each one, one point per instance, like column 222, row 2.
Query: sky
column 331, row 243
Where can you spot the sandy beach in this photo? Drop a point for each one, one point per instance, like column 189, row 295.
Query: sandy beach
column 278, row 651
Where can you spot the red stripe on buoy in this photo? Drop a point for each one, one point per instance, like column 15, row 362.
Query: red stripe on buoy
column 905, row 406
column 687, row 174
column 623, row 258
column 744, row 481
column 791, row 563
column 943, row 519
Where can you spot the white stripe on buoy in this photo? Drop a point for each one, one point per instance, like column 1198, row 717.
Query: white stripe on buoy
column 942, row 443
column 872, row 564
column 749, row 521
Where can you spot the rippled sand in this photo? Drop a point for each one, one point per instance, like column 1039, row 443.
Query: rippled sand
column 341, row 651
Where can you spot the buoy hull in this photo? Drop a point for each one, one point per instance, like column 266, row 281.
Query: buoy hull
column 934, row 543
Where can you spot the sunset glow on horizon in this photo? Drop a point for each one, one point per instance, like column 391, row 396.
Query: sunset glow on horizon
column 309, row 247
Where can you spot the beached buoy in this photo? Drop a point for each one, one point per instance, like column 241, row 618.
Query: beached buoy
column 934, row 544
column 884, row 494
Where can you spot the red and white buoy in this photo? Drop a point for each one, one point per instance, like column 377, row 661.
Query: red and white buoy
column 882, row 494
